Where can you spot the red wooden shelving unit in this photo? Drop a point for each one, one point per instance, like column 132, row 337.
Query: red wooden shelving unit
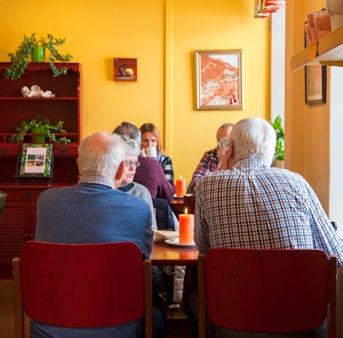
column 18, row 220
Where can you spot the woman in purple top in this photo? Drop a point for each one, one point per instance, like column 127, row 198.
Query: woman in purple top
column 150, row 173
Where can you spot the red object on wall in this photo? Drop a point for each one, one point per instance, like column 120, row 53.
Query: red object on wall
column 264, row 8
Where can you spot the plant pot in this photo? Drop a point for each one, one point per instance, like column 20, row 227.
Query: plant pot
column 278, row 164
column 38, row 136
column 38, row 54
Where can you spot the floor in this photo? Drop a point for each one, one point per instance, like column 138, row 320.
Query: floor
column 6, row 309
column 177, row 325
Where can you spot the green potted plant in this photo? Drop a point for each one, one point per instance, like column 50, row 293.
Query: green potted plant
column 279, row 155
column 41, row 128
column 35, row 48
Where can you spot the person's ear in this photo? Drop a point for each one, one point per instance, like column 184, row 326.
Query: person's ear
column 226, row 162
column 230, row 155
column 120, row 172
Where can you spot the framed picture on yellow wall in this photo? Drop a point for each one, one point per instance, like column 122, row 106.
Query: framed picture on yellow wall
column 218, row 84
column 125, row 69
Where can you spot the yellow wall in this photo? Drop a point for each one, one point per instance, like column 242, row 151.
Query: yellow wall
column 162, row 35
column 307, row 127
column 220, row 24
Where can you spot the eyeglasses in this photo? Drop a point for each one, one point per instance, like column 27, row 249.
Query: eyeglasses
column 130, row 163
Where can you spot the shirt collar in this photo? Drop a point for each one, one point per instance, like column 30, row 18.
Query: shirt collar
column 250, row 163
column 127, row 187
column 98, row 179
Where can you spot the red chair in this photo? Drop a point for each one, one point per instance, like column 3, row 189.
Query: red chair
column 269, row 291
column 82, row 285
column 189, row 202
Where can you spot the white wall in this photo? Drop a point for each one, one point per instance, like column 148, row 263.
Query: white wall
column 277, row 97
column 336, row 146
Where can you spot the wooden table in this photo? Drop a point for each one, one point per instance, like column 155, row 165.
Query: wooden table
column 165, row 254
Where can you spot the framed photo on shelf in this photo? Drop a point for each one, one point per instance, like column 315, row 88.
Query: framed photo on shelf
column 35, row 160
column 125, row 69
column 218, row 82
column 315, row 82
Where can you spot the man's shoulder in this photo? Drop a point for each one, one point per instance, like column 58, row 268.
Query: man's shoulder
column 141, row 189
column 285, row 174
column 56, row 192
column 212, row 153
column 270, row 174
column 135, row 200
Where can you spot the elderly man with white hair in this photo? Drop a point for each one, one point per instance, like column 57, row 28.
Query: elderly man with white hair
column 93, row 211
column 248, row 204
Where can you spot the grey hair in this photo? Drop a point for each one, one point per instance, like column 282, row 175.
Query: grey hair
column 253, row 137
column 100, row 154
column 130, row 146
column 130, row 130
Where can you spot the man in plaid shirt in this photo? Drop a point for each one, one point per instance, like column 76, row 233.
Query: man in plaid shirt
column 248, row 204
column 210, row 159
column 251, row 205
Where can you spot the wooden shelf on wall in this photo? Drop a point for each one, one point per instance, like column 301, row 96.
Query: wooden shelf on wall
column 328, row 51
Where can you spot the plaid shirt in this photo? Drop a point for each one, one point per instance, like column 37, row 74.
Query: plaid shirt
column 208, row 163
column 254, row 206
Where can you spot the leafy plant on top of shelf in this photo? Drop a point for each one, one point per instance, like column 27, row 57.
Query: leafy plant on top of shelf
column 41, row 126
column 19, row 59
column 280, row 139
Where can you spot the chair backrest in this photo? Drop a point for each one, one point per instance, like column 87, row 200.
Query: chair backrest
column 267, row 290
column 189, row 201
column 164, row 214
column 83, row 285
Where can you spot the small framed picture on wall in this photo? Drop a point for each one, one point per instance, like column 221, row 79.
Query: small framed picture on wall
column 315, row 81
column 315, row 84
column 125, row 69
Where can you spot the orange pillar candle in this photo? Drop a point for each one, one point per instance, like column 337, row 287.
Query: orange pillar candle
column 180, row 186
column 186, row 226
